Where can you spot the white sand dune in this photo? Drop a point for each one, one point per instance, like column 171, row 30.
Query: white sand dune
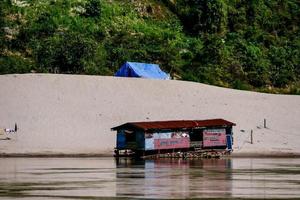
column 73, row 114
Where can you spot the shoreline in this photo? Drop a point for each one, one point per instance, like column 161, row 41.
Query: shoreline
column 106, row 155
column 56, row 155
column 265, row 155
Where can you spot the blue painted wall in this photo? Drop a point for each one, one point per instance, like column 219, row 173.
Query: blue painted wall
column 121, row 139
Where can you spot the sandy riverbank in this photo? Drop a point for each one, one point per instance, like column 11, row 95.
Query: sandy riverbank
column 73, row 114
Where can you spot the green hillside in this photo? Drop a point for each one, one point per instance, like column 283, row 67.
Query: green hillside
column 243, row 44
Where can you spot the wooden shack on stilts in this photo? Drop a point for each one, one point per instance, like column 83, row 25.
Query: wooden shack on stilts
column 187, row 137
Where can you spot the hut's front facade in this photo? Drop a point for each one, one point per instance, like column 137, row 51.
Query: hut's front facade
column 144, row 138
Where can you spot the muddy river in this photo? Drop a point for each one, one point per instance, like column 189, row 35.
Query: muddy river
column 107, row 178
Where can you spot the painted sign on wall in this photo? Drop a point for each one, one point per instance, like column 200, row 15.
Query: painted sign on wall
column 214, row 137
column 168, row 140
column 172, row 143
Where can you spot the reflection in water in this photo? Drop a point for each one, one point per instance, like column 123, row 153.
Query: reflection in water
column 165, row 178
column 86, row 178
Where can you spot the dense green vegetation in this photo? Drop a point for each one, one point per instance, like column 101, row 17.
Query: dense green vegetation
column 243, row 44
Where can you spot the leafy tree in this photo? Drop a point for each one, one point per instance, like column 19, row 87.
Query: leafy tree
column 282, row 67
column 15, row 64
column 202, row 16
column 3, row 9
column 66, row 53
column 93, row 8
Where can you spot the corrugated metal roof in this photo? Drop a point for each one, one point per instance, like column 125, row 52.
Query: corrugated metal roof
column 178, row 124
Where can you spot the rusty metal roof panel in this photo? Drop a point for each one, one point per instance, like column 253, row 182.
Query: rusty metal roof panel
column 177, row 124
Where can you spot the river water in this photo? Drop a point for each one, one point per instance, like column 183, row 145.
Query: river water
column 106, row 178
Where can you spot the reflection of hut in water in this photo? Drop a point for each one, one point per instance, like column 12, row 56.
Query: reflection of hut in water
column 189, row 178
column 147, row 138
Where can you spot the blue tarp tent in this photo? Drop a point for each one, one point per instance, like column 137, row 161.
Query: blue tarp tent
column 142, row 70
